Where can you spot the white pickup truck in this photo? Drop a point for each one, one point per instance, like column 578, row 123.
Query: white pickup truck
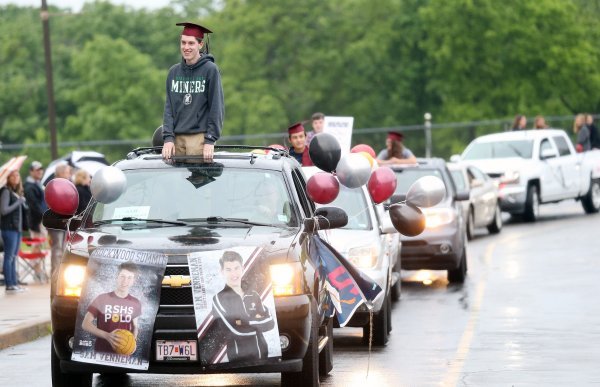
column 535, row 167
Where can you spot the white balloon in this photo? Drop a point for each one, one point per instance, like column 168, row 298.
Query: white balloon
column 108, row 184
column 353, row 170
column 426, row 192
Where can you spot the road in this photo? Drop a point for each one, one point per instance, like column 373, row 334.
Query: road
column 526, row 316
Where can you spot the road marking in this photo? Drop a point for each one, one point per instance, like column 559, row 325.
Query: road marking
column 464, row 345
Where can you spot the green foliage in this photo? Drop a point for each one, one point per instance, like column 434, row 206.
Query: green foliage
column 384, row 63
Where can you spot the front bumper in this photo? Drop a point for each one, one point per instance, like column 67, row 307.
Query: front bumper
column 294, row 318
column 438, row 249
column 512, row 199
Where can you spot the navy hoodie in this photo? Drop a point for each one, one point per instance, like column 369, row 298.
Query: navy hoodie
column 194, row 102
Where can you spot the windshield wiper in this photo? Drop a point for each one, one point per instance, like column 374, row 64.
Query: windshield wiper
column 134, row 219
column 220, row 219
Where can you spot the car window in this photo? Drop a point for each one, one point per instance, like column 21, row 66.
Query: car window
column 545, row 144
column 407, row 176
column 561, row 144
column 499, row 150
column 200, row 192
column 459, row 180
column 300, row 184
column 354, row 203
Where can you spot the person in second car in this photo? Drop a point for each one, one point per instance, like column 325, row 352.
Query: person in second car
column 82, row 183
column 317, row 121
column 299, row 149
column 395, row 152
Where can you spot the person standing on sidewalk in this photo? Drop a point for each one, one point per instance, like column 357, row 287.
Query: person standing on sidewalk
column 34, row 193
column 194, row 106
column 12, row 202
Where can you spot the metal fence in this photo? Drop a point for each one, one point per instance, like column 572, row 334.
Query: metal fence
column 446, row 139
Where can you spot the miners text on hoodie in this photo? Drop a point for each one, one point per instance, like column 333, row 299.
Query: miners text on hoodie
column 194, row 102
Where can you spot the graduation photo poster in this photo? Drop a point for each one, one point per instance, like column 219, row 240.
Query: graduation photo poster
column 234, row 307
column 117, row 308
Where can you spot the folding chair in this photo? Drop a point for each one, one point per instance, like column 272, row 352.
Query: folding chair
column 32, row 260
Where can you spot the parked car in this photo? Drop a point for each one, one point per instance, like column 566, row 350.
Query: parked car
column 372, row 244
column 535, row 167
column 442, row 245
column 201, row 207
column 483, row 207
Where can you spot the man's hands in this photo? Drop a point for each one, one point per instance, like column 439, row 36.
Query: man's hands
column 113, row 339
column 209, row 150
column 168, row 150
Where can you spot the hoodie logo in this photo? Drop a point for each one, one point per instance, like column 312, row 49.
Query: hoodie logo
column 187, row 99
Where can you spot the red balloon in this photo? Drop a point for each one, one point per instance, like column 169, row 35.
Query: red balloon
column 364, row 148
column 323, row 188
column 382, row 184
column 61, row 196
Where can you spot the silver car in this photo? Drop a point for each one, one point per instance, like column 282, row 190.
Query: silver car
column 372, row 244
column 483, row 207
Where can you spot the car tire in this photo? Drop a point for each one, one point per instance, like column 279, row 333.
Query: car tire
column 63, row 379
column 326, row 355
column 396, row 291
column 309, row 376
column 532, row 204
column 496, row 225
column 459, row 274
column 470, row 225
column 389, row 315
column 591, row 200
column 380, row 326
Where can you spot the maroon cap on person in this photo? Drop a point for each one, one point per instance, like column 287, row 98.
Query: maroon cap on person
column 192, row 29
column 296, row 128
column 395, row 136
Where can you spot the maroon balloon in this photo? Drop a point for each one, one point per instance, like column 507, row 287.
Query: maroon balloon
column 323, row 187
column 407, row 219
column 61, row 196
column 382, row 184
column 364, row 148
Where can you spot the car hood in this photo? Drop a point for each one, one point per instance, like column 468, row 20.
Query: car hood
column 499, row 166
column 183, row 240
column 343, row 240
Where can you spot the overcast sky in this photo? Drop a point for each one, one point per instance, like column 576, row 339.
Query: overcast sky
column 75, row 5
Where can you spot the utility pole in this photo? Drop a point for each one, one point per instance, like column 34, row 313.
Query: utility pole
column 427, row 117
column 49, row 81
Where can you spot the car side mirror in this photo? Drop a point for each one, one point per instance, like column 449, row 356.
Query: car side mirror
column 57, row 221
column 462, row 196
column 327, row 218
column 455, row 158
column 396, row 198
column 548, row 154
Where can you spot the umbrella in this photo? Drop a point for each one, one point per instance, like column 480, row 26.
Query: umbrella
column 14, row 164
column 87, row 160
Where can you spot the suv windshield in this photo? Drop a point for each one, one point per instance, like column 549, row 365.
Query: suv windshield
column 499, row 150
column 202, row 194
column 406, row 177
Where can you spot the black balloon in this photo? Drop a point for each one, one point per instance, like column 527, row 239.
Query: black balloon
column 157, row 137
column 407, row 219
column 325, row 151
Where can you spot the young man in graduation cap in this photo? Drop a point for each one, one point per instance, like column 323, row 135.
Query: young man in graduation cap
column 299, row 149
column 194, row 107
column 395, row 152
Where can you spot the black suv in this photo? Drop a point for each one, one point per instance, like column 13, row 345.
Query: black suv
column 198, row 207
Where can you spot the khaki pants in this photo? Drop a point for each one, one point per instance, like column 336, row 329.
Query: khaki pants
column 189, row 144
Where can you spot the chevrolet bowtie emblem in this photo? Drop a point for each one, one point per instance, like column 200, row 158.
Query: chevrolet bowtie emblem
column 176, row 281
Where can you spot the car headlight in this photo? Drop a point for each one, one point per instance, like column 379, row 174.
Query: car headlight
column 510, row 177
column 364, row 257
column 285, row 278
column 436, row 217
column 71, row 280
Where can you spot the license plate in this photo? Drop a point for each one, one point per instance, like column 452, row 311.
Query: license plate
column 167, row 350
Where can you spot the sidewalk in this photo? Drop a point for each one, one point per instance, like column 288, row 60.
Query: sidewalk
column 24, row 316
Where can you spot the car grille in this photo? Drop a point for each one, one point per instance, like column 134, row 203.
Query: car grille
column 176, row 296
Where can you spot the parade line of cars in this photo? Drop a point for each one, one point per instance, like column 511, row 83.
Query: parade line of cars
column 260, row 201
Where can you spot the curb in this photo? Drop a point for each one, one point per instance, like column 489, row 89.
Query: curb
column 26, row 332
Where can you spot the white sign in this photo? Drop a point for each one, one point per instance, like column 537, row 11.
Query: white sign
column 341, row 129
